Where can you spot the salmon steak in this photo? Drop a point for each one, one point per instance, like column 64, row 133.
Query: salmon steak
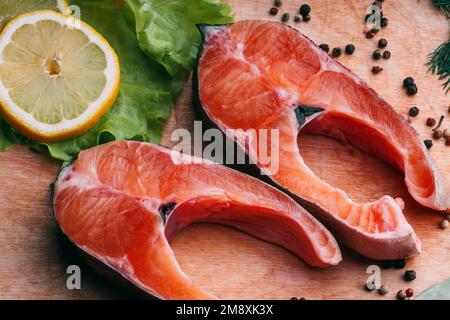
column 254, row 75
column 122, row 202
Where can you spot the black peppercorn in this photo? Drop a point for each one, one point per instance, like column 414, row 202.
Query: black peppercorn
column 409, row 81
column 273, row 11
column 386, row 55
column 413, row 112
column 382, row 43
column 349, row 49
column 285, row 17
column 376, row 55
column 277, row 3
column 305, row 10
column 410, row 275
column 384, row 22
column 325, row 47
column 428, row 144
column 336, row 52
column 376, row 69
column 412, row 89
column 374, row 30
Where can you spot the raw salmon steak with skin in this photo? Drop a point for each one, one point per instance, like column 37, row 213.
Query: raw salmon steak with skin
column 122, row 202
column 266, row 75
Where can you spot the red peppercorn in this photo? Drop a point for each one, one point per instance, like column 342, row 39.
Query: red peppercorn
column 294, row 298
column 273, row 11
column 369, row 34
column 376, row 69
column 447, row 141
column 431, row 122
column 409, row 292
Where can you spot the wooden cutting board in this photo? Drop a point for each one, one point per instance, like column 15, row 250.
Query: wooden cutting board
column 228, row 263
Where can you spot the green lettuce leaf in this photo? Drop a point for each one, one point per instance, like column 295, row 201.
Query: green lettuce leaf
column 167, row 30
column 5, row 140
column 147, row 89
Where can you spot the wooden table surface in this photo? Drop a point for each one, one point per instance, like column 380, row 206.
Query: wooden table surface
column 34, row 256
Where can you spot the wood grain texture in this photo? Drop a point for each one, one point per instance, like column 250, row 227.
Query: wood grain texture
column 230, row 264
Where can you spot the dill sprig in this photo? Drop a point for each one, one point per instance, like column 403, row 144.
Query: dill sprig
column 444, row 5
column 439, row 60
column 439, row 64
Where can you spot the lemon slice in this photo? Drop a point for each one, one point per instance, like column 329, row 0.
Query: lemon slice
column 58, row 76
column 12, row 8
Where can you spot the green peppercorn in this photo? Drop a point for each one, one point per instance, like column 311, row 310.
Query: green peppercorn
column 446, row 133
column 305, row 10
column 376, row 55
column 411, row 90
column 428, row 144
column 285, row 17
column 437, row 134
column 376, row 69
column 413, row 112
column 349, row 48
column 384, row 289
column 384, row 22
column 410, row 275
column 325, row 47
column 336, row 52
column 382, row 43
column 386, row 55
column 409, row 81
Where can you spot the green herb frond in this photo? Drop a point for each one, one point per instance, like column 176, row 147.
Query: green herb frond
column 439, row 64
column 444, row 5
